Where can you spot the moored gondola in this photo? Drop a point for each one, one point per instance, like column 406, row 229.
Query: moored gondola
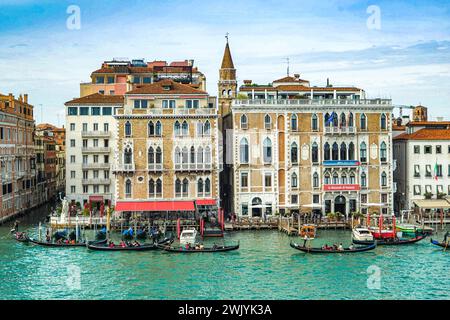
column 392, row 242
column 345, row 250
column 65, row 245
column 441, row 244
column 140, row 247
column 200, row 250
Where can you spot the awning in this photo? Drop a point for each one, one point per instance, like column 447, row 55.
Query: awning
column 373, row 204
column 95, row 198
column 155, row 206
column 206, row 202
column 432, row 204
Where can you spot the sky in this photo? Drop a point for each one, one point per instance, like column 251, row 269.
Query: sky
column 392, row 49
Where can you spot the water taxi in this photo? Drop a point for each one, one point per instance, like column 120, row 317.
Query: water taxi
column 189, row 235
column 362, row 234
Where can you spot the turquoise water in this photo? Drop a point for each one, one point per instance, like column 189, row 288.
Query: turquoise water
column 265, row 267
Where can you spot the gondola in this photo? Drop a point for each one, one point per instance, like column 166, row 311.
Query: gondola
column 21, row 237
column 204, row 250
column 65, row 245
column 320, row 250
column 392, row 242
column 143, row 247
column 441, row 244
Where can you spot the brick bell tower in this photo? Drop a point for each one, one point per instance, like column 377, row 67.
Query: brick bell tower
column 227, row 82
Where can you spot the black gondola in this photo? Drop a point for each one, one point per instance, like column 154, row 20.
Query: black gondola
column 320, row 250
column 204, row 250
column 440, row 244
column 65, row 245
column 393, row 242
column 21, row 237
column 143, row 247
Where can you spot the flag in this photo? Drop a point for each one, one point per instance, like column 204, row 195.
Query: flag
column 436, row 168
column 330, row 119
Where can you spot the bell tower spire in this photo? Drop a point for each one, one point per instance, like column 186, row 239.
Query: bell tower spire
column 227, row 81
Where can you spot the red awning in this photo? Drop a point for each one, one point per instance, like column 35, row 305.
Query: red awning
column 155, row 206
column 95, row 198
column 206, row 202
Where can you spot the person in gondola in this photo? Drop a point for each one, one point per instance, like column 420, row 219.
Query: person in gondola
column 16, row 226
column 305, row 239
column 111, row 244
column 214, row 246
column 340, row 248
column 446, row 236
column 201, row 247
column 136, row 244
column 351, row 247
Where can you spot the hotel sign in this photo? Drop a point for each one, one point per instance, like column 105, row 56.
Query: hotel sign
column 342, row 187
column 342, row 163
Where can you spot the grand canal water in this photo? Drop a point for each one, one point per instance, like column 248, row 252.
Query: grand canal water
column 265, row 267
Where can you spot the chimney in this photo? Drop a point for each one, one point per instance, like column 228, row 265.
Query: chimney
column 297, row 76
column 248, row 82
column 25, row 98
column 328, row 82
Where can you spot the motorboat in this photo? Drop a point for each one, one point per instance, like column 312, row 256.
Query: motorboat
column 189, row 235
column 362, row 234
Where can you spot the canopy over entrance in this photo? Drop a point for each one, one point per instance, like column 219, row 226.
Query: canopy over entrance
column 432, row 204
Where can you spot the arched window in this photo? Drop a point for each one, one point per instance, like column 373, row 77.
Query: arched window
column 314, row 123
column 128, row 188
column 178, row 188
column 315, row 153
column 185, row 128
column 315, row 180
column 267, row 121
column 294, row 122
column 344, row 179
column 177, row 155
column 207, row 187
column 327, row 120
column 350, row 120
column 128, row 129
column 158, row 155
column 383, row 122
column 185, row 156
column 200, row 187
column 177, row 128
column 208, row 155
column 294, row 153
column 327, row 179
column 267, row 150
column 335, row 119
column 224, row 93
column 159, row 188
column 230, row 93
column 326, row 152
column 151, row 156
column 351, row 151
column 151, row 129
column 335, row 178
column 192, row 160
column 335, row 152
column 207, row 128
column 294, row 180
column 244, row 151
column 343, row 120
column 343, row 151
column 383, row 152
column 200, row 155
column 151, row 188
column 384, row 179
column 185, row 187
column 363, row 152
column 244, row 122
column 128, row 156
column 363, row 180
column 158, row 130
column 363, row 122
column 352, row 179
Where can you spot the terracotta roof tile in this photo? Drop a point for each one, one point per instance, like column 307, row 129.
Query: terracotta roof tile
column 159, row 88
column 426, row 134
column 97, row 98
column 289, row 79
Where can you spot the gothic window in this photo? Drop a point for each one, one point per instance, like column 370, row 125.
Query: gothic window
column 363, row 152
column 383, row 152
column 267, row 122
column 343, row 151
column 294, row 180
column 350, row 120
column 294, row 153
column 314, row 123
column 177, row 128
column 244, row 151
column 185, row 187
column 200, row 155
column 128, row 129
column 200, row 187
column 158, row 156
column 128, row 156
column 383, row 122
column 244, row 122
column 315, row 153
column 326, row 152
column 207, row 186
column 335, row 152
column 315, row 180
column 351, row 151
column 151, row 155
column 363, row 122
column 343, row 120
column 128, row 188
column 158, row 129
column 294, row 122
column 384, row 179
column 207, row 155
column 177, row 155
column 267, row 150
column 185, row 128
column 151, row 129
column 192, row 160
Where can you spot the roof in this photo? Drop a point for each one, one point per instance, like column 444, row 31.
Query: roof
column 297, row 88
column 289, row 79
column 155, row 206
column 227, row 61
column 97, row 98
column 159, row 88
column 425, row 134
column 428, row 123
column 397, row 127
column 432, row 204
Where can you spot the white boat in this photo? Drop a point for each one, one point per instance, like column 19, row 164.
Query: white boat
column 362, row 234
column 188, row 235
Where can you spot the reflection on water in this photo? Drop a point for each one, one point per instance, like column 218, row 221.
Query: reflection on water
column 265, row 267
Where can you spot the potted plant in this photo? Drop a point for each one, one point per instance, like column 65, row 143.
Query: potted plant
column 441, row 195
column 331, row 216
column 428, row 195
column 85, row 212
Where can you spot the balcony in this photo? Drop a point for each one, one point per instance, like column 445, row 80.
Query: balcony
column 341, row 163
column 339, row 131
column 125, row 168
column 282, row 103
column 192, row 167
column 341, row 187
column 96, row 181
column 96, row 150
column 155, row 167
column 96, row 165
column 95, row 134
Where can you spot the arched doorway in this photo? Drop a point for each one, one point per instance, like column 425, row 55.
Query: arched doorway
column 256, row 207
column 340, row 205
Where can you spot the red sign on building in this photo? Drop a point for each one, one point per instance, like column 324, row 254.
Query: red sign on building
column 341, row 187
